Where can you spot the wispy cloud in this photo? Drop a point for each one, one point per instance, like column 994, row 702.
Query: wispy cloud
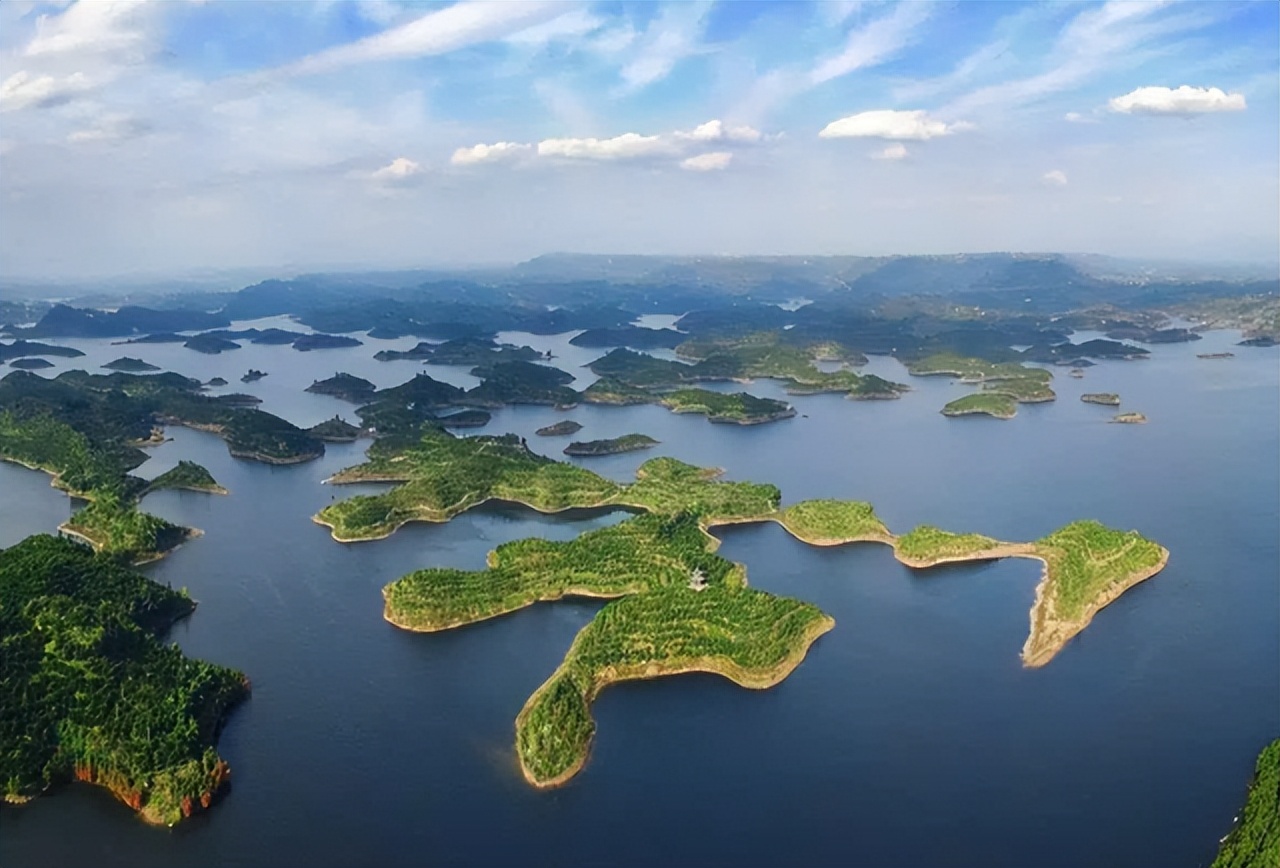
column 449, row 29
column 1095, row 40
column 896, row 151
column 711, row 162
column 1183, row 101
column 399, row 171
column 674, row 34
column 25, row 90
column 875, row 43
column 1054, row 178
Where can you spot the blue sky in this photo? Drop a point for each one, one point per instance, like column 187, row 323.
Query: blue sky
column 161, row 136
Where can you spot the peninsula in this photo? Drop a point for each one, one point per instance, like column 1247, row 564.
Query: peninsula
column 1255, row 840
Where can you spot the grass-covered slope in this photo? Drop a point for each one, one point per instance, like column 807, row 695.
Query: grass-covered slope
column 444, row 475
column 926, row 546
column 189, row 476
column 89, row 692
column 640, row 554
column 1255, row 840
column 1087, row 566
column 833, row 522
column 753, row 638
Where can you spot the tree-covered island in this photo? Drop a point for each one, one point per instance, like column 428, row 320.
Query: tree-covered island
column 88, row 691
column 996, row 404
column 684, row 608
column 611, row 446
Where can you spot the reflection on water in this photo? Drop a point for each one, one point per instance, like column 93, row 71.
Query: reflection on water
column 911, row 735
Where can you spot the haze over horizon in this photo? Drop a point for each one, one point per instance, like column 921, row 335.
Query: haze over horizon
column 158, row 137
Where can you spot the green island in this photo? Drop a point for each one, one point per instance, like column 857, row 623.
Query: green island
column 563, row 428
column 521, row 382
column 345, row 386
column 130, row 365
column 833, row 522
column 210, row 345
column 1130, row 418
column 1255, row 840
column 996, row 404
column 756, row 356
column 608, row 390
column 251, row 376
column 640, row 554
column 1024, row 390
column 977, row 370
column 750, row 637
column 335, row 430
column 738, row 408
column 683, row 608
column 188, row 476
column 31, row 363
column 611, row 446
column 1107, row 399
column 88, row 691
column 85, row 429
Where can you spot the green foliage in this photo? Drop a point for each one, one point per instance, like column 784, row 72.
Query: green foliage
column 611, row 446
column 928, row 543
column 1087, row 558
column 846, row 520
column 747, row 635
column 116, row 526
column 187, row 475
column 87, row 690
column 1024, row 390
column 637, row 555
column 991, row 403
column 668, row 487
column 640, row 370
column 739, row 407
column 446, row 475
column 979, row 369
column 1255, row 841
column 521, row 383
column 608, row 390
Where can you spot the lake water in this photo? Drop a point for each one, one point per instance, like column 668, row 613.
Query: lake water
column 911, row 735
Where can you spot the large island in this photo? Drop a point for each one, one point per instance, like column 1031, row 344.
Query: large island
column 681, row 607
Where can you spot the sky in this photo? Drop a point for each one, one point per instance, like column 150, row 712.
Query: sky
column 154, row 137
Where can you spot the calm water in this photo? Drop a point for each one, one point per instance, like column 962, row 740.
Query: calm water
column 911, row 735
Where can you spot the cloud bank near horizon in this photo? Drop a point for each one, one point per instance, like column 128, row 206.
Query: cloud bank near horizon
column 154, row 135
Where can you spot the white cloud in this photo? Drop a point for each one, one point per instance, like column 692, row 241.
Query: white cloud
column 1077, row 118
column 95, row 28
column 449, row 29
column 495, row 153
column 401, row 170
column 896, row 151
column 1184, row 100
column 672, row 36
column 1055, row 178
column 712, row 162
column 716, row 131
column 111, row 128
column 874, row 44
column 25, row 90
column 628, row 146
column 890, row 124
column 1098, row 38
